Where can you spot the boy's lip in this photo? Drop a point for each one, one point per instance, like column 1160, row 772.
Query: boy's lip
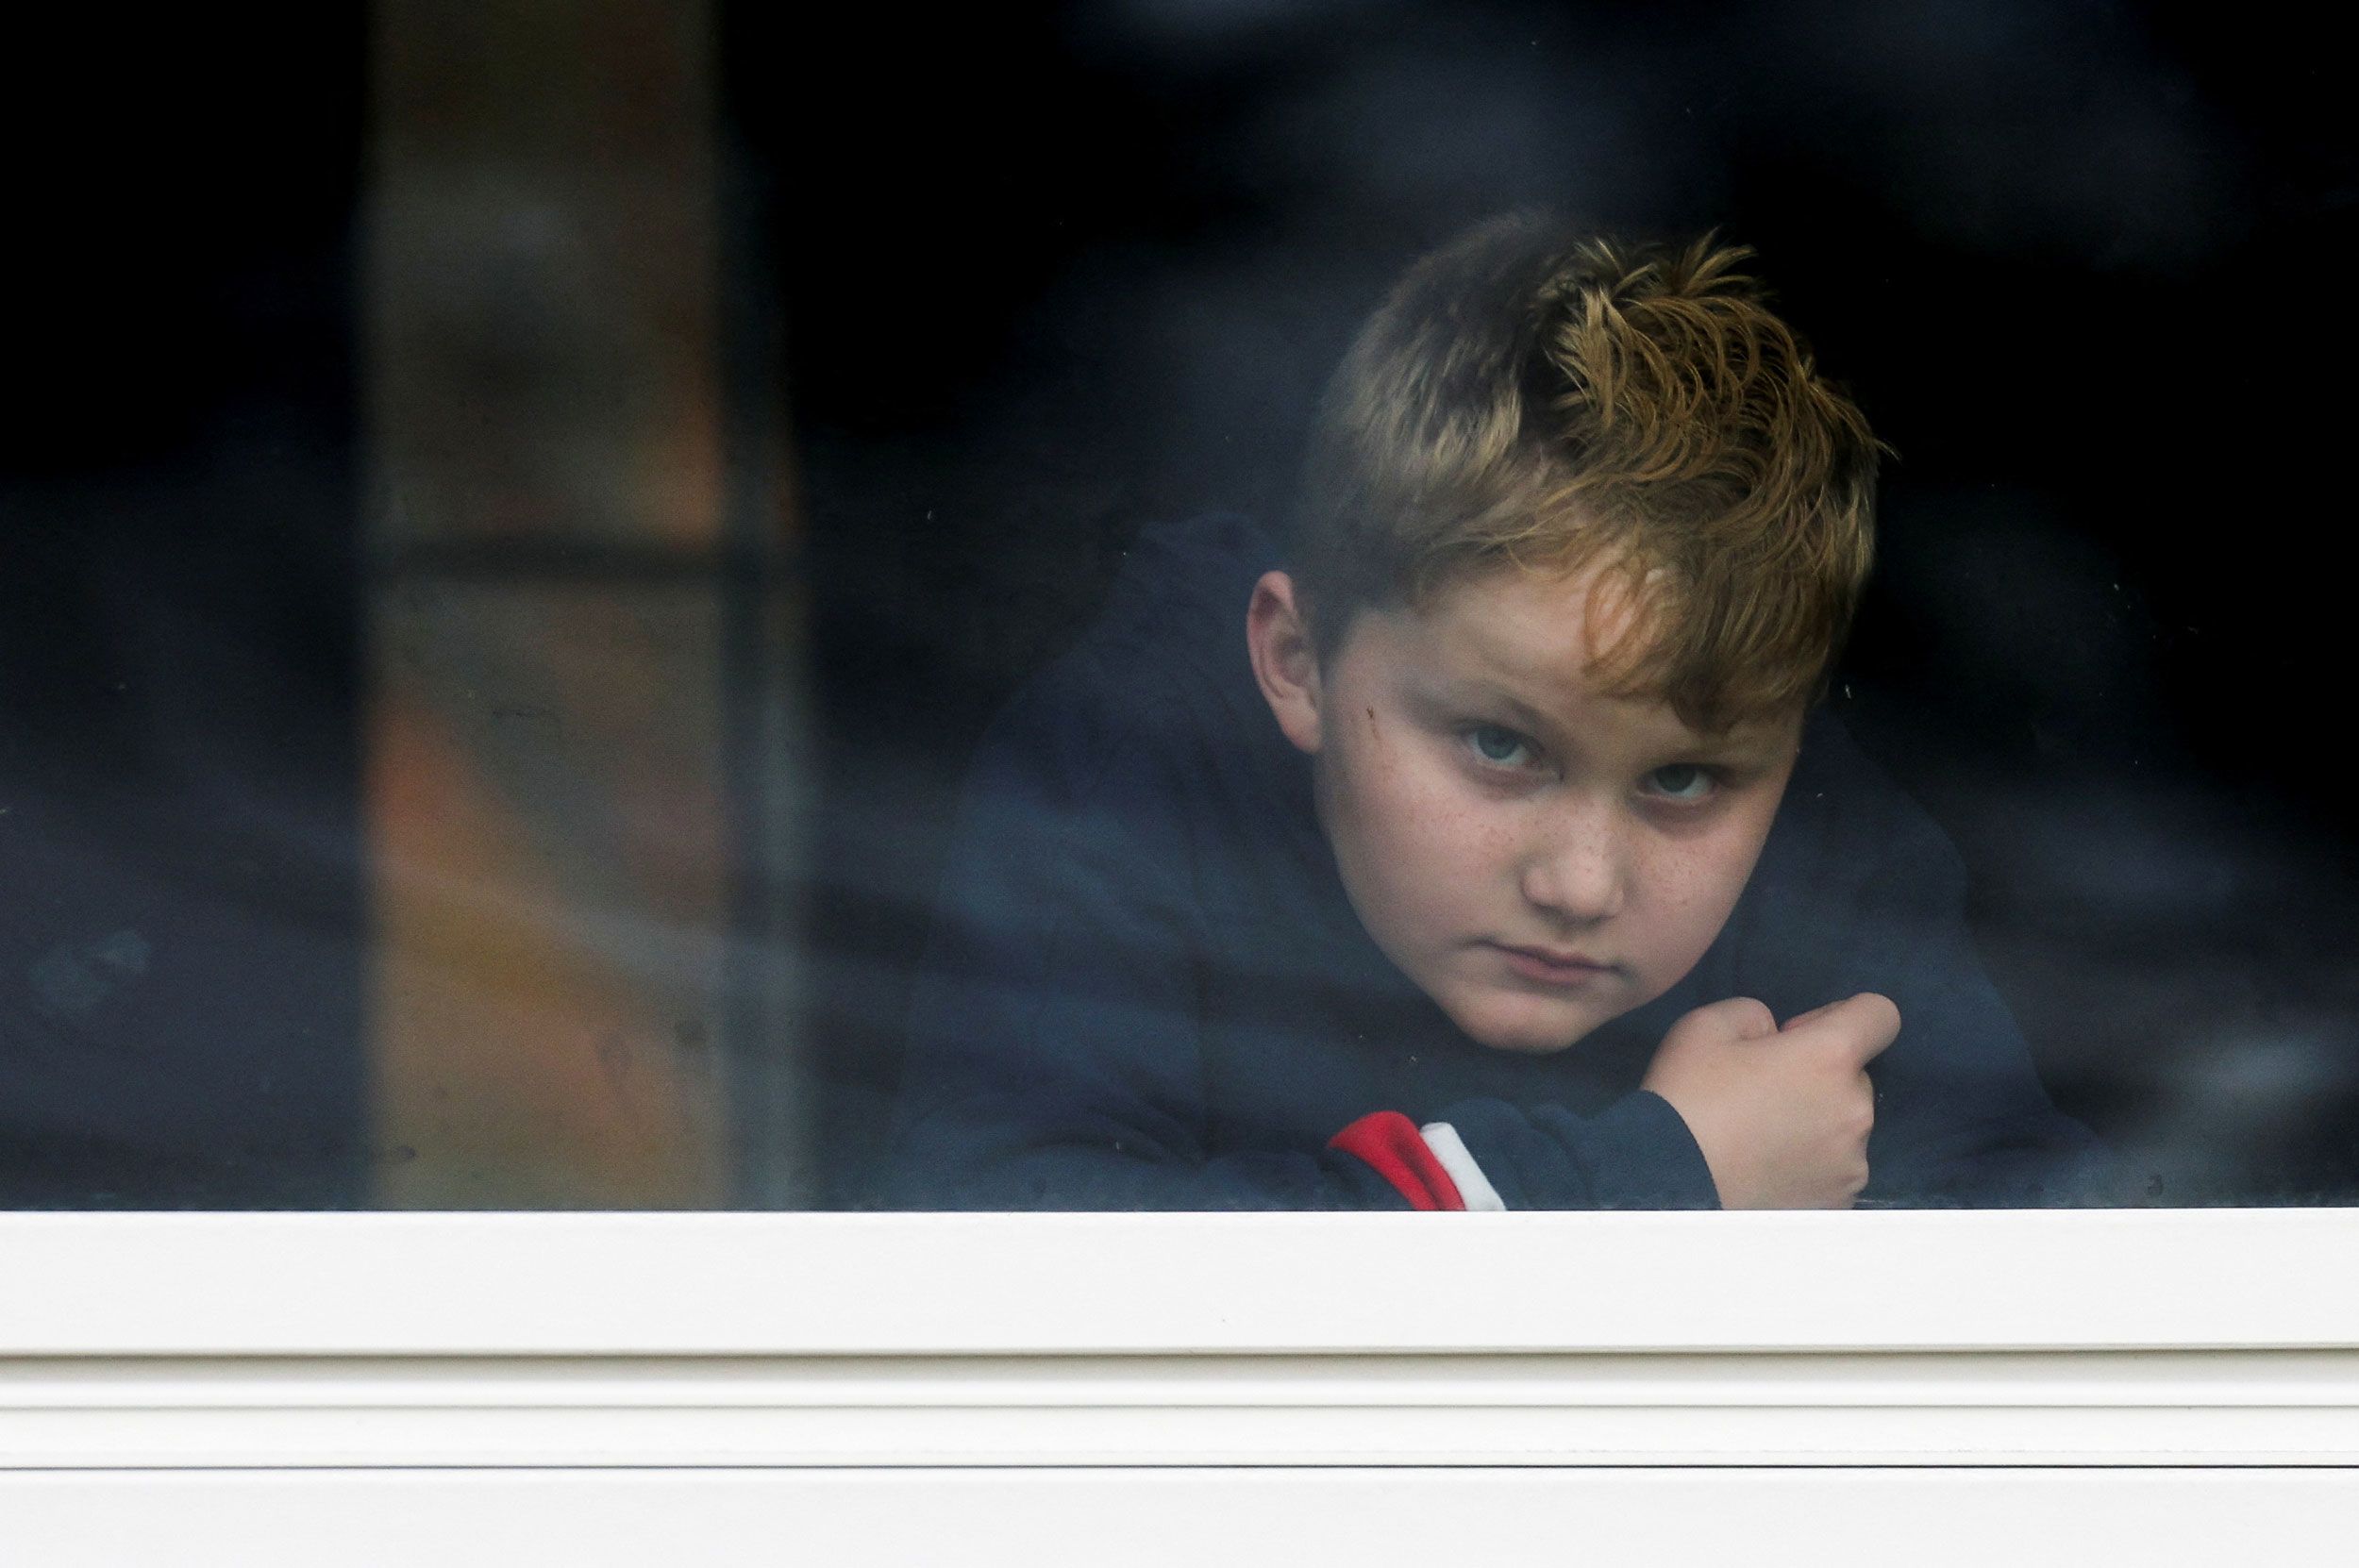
column 1552, row 964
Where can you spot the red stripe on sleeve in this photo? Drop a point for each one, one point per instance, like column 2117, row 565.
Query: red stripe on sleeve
column 1392, row 1144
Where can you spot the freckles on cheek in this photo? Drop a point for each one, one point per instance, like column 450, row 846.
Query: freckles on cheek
column 1491, row 844
column 1676, row 883
column 1707, row 881
column 1683, row 891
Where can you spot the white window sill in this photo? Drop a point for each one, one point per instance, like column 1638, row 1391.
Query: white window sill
column 831, row 1364
column 893, row 1285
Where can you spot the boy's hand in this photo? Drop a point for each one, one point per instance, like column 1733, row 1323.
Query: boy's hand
column 1782, row 1114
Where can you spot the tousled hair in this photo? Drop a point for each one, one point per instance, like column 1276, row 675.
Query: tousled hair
column 1531, row 398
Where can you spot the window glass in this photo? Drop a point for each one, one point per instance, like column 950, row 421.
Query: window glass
column 522, row 525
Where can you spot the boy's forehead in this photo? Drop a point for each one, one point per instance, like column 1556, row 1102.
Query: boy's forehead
column 1548, row 641
column 1554, row 629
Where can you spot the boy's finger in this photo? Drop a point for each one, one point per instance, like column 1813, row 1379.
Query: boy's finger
column 1801, row 1018
column 1865, row 1024
column 1870, row 1021
column 1745, row 1017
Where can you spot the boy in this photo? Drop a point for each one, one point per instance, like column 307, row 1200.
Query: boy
column 1501, row 862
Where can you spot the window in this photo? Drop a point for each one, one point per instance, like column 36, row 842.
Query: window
column 517, row 523
column 488, row 693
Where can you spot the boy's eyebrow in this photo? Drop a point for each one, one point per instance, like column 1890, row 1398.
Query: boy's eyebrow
column 1759, row 751
column 1516, row 707
column 1474, row 691
column 1745, row 742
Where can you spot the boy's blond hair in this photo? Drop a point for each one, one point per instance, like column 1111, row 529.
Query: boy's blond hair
column 1531, row 398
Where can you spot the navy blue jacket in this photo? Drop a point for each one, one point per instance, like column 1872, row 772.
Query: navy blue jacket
column 1147, row 990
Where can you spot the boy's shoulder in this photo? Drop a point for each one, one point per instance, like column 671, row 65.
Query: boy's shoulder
column 1146, row 750
column 1187, row 582
column 1163, row 665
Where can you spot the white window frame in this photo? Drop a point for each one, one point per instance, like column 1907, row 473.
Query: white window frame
column 913, row 1383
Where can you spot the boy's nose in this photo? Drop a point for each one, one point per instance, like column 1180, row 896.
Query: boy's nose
column 1578, row 873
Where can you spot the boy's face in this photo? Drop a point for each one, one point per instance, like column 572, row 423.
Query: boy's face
column 1539, row 857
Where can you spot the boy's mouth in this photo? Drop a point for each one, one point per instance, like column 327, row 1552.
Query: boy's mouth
column 1551, row 965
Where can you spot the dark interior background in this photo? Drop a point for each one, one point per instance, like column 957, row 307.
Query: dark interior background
column 1045, row 272
column 180, row 885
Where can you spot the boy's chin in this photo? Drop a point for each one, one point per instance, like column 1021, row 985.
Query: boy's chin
column 1524, row 1026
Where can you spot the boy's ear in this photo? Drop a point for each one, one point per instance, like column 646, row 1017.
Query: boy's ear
column 1285, row 662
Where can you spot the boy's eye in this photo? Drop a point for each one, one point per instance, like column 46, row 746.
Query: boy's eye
column 1681, row 781
column 1499, row 746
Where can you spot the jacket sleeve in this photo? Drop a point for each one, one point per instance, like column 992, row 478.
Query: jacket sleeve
column 1054, row 1054
column 1872, row 897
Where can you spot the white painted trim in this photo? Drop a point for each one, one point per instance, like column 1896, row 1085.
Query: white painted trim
column 647, row 1285
column 1179, row 1518
column 2091, row 1408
